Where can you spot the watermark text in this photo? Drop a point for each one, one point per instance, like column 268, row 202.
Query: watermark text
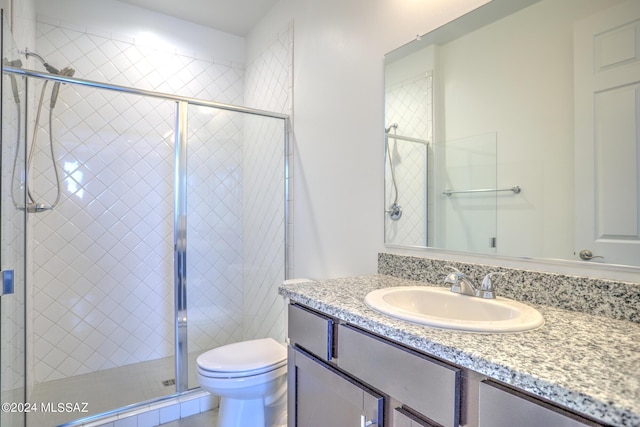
column 50, row 407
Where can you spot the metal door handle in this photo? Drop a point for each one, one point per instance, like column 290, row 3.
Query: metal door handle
column 364, row 422
column 586, row 255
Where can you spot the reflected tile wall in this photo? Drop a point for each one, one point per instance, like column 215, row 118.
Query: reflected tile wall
column 409, row 104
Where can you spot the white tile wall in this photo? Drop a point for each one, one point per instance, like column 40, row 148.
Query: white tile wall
column 214, row 228
column 268, row 87
column 103, row 259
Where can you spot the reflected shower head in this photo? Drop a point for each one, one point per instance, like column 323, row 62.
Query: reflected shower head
column 393, row 126
column 16, row 63
column 67, row 72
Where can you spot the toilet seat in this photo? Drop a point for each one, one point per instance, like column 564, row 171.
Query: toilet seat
column 242, row 359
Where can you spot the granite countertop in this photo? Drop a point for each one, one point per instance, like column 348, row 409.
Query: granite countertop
column 588, row 363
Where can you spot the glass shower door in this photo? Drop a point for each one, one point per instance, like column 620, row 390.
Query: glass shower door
column 12, row 247
column 235, row 193
column 103, row 258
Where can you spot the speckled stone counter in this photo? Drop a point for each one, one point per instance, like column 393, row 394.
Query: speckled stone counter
column 587, row 363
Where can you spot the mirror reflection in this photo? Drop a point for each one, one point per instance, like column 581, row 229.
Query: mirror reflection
column 507, row 136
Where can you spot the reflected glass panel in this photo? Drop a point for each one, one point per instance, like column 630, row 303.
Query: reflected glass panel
column 466, row 194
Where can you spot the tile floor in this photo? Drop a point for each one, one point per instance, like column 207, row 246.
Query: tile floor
column 204, row 419
column 106, row 390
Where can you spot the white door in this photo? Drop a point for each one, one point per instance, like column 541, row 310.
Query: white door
column 607, row 135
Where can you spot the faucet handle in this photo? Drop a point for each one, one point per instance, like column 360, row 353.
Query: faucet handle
column 454, row 276
column 487, row 290
column 457, row 280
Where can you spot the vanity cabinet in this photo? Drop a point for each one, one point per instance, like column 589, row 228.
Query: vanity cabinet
column 502, row 406
column 319, row 395
column 342, row 376
column 322, row 396
column 426, row 385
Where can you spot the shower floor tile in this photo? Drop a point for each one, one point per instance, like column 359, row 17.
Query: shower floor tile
column 105, row 390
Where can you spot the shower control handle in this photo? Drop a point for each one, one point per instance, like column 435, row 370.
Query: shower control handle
column 395, row 211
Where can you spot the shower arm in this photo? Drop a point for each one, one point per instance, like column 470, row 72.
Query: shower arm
column 49, row 68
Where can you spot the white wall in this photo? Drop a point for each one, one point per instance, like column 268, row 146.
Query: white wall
column 125, row 22
column 339, row 49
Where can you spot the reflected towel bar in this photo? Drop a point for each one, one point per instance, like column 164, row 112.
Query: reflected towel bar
column 407, row 138
column 516, row 189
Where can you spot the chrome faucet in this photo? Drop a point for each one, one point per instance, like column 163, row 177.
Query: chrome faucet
column 462, row 284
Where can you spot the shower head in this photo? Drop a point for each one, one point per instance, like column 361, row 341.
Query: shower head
column 16, row 63
column 67, row 72
column 393, row 126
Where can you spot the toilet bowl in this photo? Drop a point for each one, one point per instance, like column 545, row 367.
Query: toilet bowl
column 250, row 379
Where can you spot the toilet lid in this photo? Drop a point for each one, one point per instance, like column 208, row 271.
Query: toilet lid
column 255, row 355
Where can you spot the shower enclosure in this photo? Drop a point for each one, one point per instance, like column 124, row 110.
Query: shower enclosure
column 168, row 240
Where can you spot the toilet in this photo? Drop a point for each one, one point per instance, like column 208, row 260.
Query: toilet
column 250, row 377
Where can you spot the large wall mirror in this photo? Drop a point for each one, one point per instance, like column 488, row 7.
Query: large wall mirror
column 513, row 130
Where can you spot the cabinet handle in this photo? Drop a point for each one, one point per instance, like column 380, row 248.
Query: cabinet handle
column 364, row 422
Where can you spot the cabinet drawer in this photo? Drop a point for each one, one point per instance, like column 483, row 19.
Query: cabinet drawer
column 403, row 418
column 501, row 406
column 427, row 386
column 311, row 331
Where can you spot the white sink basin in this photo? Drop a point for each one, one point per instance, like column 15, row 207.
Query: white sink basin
column 441, row 308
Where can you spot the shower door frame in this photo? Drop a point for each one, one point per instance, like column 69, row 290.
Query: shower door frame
column 16, row 278
column 180, row 202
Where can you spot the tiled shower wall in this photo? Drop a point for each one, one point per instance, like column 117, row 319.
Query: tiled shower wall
column 268, row 86
column 409, row 104
column 103, row 259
